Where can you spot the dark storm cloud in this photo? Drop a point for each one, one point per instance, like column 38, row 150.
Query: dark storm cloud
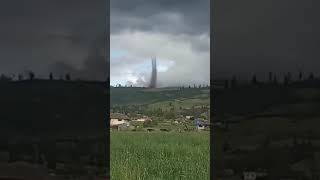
column 165, row 16
column 268, row 35
column 95, row 66
column 38, row 33
column 175, row 31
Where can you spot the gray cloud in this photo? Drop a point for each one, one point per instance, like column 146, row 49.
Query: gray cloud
column 94, row 67
column 262, row 36
column 41, row 35
column 179, row 16
column 177, row 32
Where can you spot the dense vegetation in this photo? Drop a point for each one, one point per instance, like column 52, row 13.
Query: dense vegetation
column 162, row 104
column 136, row 95
column 138, row 155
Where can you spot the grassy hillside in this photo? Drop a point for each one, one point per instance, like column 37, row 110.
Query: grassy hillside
column 127, row 96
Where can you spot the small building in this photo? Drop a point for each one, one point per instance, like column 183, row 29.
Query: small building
column 201, row 124
column 117, row 120
column 249, row 175
column 142, row 120
column 200, row 127
column 189, row 117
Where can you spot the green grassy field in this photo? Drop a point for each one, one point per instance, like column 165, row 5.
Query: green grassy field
column 160, row 155
column 130, row 96
column 187, row 103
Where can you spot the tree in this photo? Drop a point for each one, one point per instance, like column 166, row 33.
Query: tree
column 51, row 76
column 170, row 115
column 270, row 77
column 20, row 77
column 147, row 123
column 295, row 143
column 289, row 77
column 311, row 76
column 286, row 80
column 300, row 76
column 31, row 75
column 68, row 78
column 254, row 80
column 226, row 84
column 234, row 81
column 275, row 81
column 5, row 78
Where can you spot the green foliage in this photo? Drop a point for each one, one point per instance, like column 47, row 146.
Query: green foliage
column 139, row 96
column 170, row 115
column 159, row 155
column 147, row 124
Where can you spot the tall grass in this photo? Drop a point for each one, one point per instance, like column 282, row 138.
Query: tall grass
column 160, row 155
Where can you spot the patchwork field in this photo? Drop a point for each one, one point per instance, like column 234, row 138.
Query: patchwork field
column 160, row 155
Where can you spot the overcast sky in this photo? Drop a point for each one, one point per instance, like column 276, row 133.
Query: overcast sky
column 72, row 35
column 62, row 36
column 175, row 31
column 267, row 35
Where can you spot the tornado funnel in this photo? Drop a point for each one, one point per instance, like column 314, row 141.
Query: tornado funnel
column 153, row 81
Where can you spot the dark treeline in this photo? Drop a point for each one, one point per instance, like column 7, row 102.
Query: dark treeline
column 31, row 76
column 194, row 86
column 272, row 80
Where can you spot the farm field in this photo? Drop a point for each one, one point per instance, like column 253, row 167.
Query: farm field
column 160, row 155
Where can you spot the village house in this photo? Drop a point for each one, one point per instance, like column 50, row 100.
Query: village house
column 202, row 124
column 117, row 120
column 189, row 117
column 200, row 127
column 143, row 119
column 249, row 175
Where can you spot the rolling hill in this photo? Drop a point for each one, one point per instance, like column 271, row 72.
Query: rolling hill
column 144, row 96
